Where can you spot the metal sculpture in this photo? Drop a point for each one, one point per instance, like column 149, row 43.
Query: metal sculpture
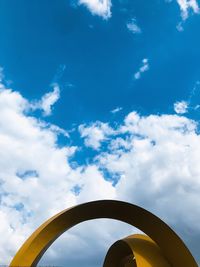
column 136, row 250
column 160, row 247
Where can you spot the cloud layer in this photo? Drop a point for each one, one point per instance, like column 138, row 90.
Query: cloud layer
column 151, row 161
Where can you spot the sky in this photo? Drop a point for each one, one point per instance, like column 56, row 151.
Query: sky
column 99, row 99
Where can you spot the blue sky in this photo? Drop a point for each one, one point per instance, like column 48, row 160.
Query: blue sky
column 104, row 89
column 100, row 56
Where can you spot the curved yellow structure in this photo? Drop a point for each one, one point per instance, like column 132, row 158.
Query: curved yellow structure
column 165, row 241
column 135, row 250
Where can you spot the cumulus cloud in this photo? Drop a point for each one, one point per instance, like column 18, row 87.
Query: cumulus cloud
column 181, row 107
column 157, row 162
column 152, row 161
column 101, row 8
column 143, row 68
column 186, row 6
column 47, row 101
column 95, row 133
column 133, row 27
column 33, row 166
column 184, row 106
column 29, row 159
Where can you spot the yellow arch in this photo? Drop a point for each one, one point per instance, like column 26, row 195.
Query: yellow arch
column 135, row 251
column 171, row 245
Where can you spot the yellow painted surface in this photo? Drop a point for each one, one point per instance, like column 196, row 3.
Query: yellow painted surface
column 168, row 242
column 146, row 251
column 135, row 250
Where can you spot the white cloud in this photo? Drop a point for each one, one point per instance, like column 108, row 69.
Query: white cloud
column 158, row 165
column 155, row 160
column 186, row 6
column 184, row 106
column 98, row 7
column 95, row 133
column 143, row 68
column 47, row 101
column 116, row 110
column 133, row 27
column 33, row 166
column 28, row 147
column 181, row 107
